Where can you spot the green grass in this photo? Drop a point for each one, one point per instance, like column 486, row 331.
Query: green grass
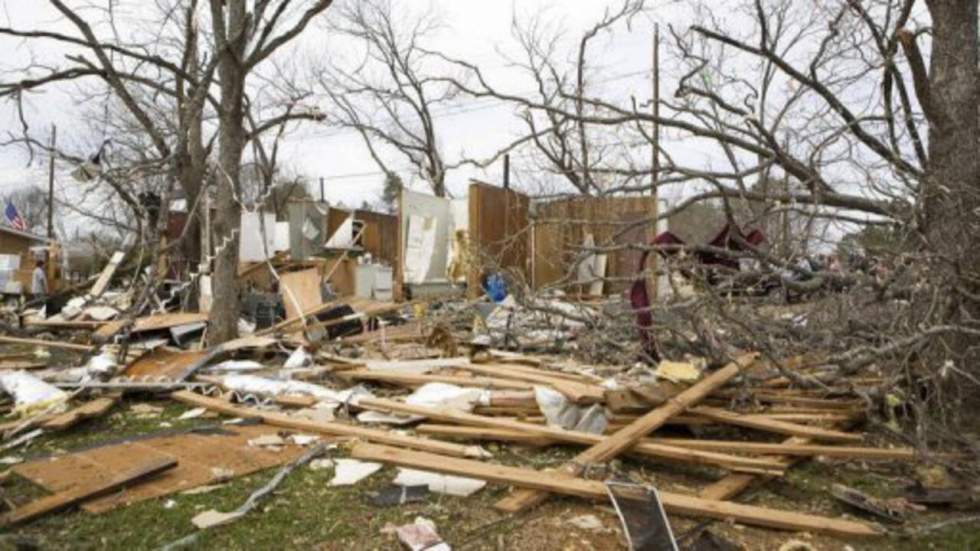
column 304, row 512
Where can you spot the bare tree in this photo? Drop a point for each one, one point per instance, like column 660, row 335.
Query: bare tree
column 390, row 96
column 835, row 100
column 178, row 63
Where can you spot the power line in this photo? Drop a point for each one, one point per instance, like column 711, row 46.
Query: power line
column 491, row 103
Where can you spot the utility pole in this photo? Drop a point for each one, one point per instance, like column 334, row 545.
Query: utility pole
column 54, row 136
column 655, row 154
column 323, row 198
column 506, row 170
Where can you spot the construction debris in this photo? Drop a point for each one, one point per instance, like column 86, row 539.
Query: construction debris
column 420, row 385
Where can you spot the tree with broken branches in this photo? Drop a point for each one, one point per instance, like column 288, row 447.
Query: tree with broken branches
column 203, row 75
column 776, row 91
column 389, row 95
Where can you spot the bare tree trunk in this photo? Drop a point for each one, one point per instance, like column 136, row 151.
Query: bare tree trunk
column 230, row 37
column 951, row 189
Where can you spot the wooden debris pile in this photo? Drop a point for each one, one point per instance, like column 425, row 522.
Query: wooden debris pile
column 401, row 387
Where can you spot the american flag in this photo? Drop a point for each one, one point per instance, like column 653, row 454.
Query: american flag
column 13, row 217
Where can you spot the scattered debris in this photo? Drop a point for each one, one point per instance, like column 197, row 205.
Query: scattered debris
column 348, row 472
column 894, row 510
column 439, row 483
column 421, row 535
column 399, row 495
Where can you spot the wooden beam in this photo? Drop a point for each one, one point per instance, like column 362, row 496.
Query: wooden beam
column 412, row 379
column 778, row 427
column 88, row 410
column 450, row 415
column 106, row 276
column 625, row 438
column 48, row 344
column 544, row 481
column 576, row 391
column 481, row 433
column 804, row 450
column 67, row 498
column 332, row 428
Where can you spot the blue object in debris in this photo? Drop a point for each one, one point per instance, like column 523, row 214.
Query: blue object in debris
column 495, row 287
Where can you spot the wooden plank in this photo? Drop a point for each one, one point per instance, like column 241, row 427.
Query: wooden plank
column 778, row 427
column 575, row 391
column 333, row 428
column 723, row 446
column 413, row 380
column 63, row 500
column 88, row 410
column 106, row 276
column 574, row 437
column 626, row 437
column 481, row 433
column 295, row 400
column 47, row 344
column 300, row 291
column 733, row 484
column 154, row 322
column 803, row 450
column 196, row 453
column 544, row 481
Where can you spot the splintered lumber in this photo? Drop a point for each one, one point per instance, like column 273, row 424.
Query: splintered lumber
column 88, row 410
column 723, row 446
column 150, row 323
column 412, row 379
column 63, row 500
column 480, row 433
column 332, row 428
column 576, row 391
column 735, row 483
column 544, row 481
column 48, row 344
column 805, row 450
column 450, row 415
column 611, row 446
column 521, row 368
column 106, row 276
column 295, row 400
column 778, row 427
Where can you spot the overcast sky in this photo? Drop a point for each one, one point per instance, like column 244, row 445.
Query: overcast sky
column 475, row 30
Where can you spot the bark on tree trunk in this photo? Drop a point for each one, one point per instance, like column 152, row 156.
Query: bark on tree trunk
column 231, row 142
column 950, row 196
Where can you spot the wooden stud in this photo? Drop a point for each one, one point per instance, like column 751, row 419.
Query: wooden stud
column 611, row 446
column 332, row 428
column 544, row 481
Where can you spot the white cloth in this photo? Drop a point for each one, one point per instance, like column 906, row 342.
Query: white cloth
column 39, row 282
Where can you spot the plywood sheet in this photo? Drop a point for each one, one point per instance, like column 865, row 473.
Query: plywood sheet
column 162, row 364
column 196, row 455
column 300, row 291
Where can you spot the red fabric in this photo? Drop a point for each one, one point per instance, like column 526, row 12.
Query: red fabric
column 640, row 299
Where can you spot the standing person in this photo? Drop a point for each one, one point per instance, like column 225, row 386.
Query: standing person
column 39, row 282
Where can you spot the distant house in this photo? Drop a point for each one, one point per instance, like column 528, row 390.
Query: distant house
column 16, row 258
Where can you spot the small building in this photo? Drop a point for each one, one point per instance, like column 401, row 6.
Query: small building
column 18, row 252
